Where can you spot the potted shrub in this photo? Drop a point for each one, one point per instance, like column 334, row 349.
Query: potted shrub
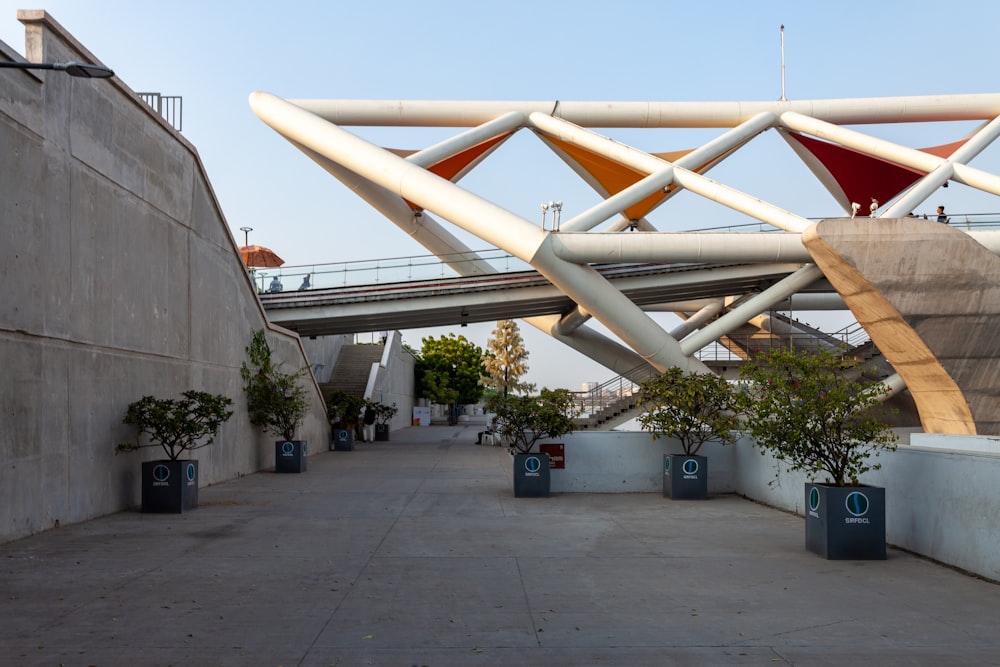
column 524, row 420
column 383, row 415
column 814, row 413
column 692, row 408
column 344, row 409
column 276, row 402
column 177, row 426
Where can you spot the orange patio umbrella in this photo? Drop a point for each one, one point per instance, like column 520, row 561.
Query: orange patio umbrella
column 258, row 255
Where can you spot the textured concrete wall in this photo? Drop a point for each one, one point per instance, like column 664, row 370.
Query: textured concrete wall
column 929, row 297
column 122, row 279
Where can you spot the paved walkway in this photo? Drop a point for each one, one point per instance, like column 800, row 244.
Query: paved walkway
column 415, row 552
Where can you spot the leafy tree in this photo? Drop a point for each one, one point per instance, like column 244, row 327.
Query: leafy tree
column 177, row 424
column 811, row 410
column 449, row 369
column 524, row 420
column 505, row 361
column 276, row 401
column 693, row 408
column 345, row 407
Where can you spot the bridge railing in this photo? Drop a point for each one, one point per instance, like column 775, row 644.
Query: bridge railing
column 379, row 271
column 429, row 267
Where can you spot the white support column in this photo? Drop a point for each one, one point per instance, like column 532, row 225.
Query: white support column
column 705, row 314
column 615, row 204
column 703, row 185
column 486, row 220
column 466, row 140
column 680, row 247
column 423, row 229
column 758, row 304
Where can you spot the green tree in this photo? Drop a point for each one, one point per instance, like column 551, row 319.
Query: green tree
column 814, row 413
column 693, row 408
column 177, row 424
column 506, row 359
column 524, row 420
column 276, row 401
column 449, row 369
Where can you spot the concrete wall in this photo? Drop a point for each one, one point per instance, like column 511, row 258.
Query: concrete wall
column 941, row 499
column 630, row 462
column 121, row 279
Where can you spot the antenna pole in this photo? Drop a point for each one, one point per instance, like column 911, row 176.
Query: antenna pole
column 783, row 98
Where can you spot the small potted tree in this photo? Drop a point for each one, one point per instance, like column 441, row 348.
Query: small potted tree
column 524, row 420
column 177, row 426
column 814, row 412
column 383, row 415
column 692, row 408
column 344, row 409
column 277, row 402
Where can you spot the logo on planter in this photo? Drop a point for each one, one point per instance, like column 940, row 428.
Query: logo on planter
column 342, row 435
column 191, row 472
column 690, row 468
column 287, row 449
column 532, row 465
column 857, row 505
column 161, row 474
column 666, row 465
column 813, row 502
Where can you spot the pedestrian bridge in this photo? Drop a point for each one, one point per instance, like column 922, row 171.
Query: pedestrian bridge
column 925, row 292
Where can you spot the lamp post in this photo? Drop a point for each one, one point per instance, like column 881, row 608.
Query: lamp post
column 73, row 68
column 246, row 234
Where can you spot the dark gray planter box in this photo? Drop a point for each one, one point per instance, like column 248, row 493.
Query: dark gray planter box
column 532, row 475
column 169, row 486
column 290, row 455
column 685, row 477
column 343, row 439
column 845, row 523
column 381, row 432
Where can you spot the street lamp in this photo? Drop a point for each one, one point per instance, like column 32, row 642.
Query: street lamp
column 246, row 234
column 73, row 68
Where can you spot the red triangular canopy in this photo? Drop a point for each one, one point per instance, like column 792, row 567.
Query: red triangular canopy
column 853, row 176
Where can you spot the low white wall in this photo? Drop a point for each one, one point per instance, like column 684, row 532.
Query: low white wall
column 940, row 502
column 629, row 462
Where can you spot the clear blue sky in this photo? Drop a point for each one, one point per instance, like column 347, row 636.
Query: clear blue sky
column 214, row 54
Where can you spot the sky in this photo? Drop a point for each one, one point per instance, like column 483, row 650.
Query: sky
column 214, row 54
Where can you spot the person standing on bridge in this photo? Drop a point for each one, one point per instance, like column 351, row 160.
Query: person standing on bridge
column 941, row 216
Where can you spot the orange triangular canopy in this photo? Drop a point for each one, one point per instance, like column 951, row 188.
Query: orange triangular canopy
column 613, row 177
column 455, row 166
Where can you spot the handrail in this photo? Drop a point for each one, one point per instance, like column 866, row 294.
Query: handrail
column 595, row 399
column 426, row 267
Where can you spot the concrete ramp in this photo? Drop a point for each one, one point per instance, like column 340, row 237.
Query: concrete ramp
column 929, row 297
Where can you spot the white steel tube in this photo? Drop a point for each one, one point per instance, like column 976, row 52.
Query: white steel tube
column 416, row 113
column 705, row 314
column 680, row 247
column 695, row 182
column 460, row 142
column 745, row 311
column 909, row 157
column 617, row 203
column 482, row 218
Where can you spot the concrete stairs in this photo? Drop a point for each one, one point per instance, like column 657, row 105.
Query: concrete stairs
column 350, row 373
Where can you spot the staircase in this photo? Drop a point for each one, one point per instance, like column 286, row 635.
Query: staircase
column 350, row 373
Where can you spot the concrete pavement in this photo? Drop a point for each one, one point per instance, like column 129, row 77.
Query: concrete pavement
column 415, row 552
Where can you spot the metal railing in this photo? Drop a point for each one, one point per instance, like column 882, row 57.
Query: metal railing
column 598, row 398
column 379, row 271
column 170, row 107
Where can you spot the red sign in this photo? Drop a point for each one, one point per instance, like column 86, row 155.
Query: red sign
column 556, row 452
